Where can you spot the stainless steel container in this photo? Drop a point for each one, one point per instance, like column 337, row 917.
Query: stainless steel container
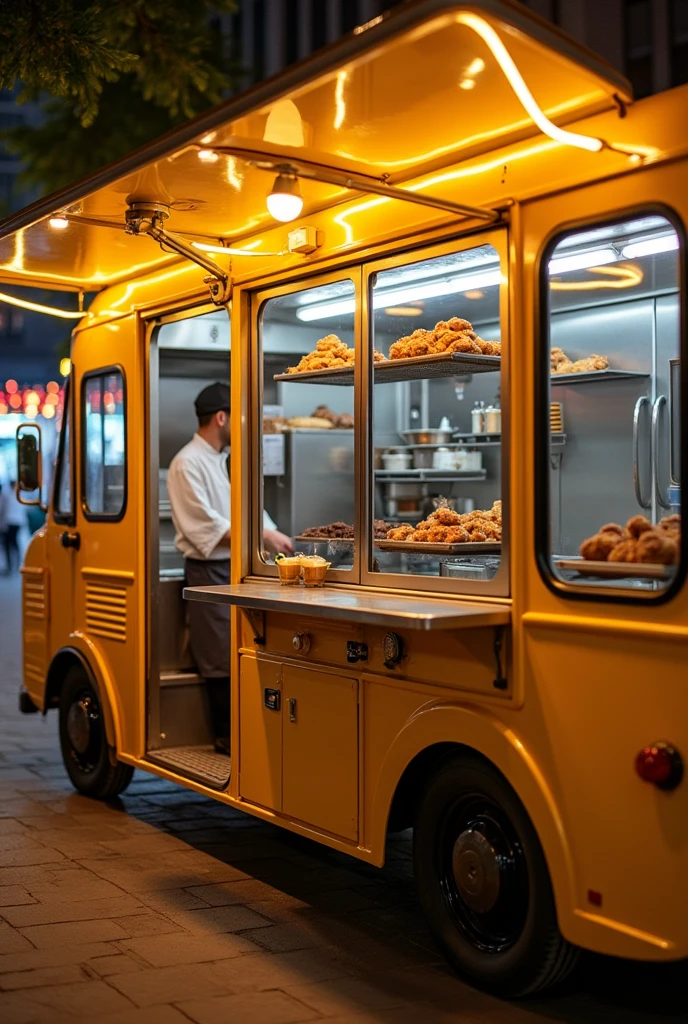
column 422, row 458
column 469, row 569
column 427, row 436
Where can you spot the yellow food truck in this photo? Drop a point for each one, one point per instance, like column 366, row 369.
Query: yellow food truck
column 443, row 265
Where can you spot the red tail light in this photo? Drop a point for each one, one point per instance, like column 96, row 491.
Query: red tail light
column 661, row 764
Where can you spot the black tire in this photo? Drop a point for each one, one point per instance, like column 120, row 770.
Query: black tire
column 483, row 882
column 83, row 741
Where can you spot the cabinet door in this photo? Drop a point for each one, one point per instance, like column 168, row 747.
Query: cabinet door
column 320, row 744
column 260, row 732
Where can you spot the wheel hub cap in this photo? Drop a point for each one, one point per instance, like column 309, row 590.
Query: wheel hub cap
column 79, row 725
column 475, row 864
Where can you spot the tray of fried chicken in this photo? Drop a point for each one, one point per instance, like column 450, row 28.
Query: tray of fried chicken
column 448, row 337
column 560, row 363
column 638, row 549
column 339, row 533
column 330, row 354
column 447, row 532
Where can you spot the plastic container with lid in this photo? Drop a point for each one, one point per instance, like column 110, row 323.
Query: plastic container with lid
column 396, row 460
column 493, row 420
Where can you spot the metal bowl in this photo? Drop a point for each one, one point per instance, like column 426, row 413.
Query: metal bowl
column 427, row 436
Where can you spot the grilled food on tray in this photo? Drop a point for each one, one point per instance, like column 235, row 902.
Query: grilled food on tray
column 637, row 541
column 561, row 363
column 454, row 335
column 331, row 353
column 445, row 526
column 342, row 421
column 342, row 531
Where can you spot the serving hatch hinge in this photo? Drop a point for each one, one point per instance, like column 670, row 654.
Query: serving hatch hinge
column 148, row 218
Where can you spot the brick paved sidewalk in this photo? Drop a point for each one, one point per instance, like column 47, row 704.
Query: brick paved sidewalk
column 164, row 907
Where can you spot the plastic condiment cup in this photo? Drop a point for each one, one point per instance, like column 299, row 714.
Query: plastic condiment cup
column 289, row 571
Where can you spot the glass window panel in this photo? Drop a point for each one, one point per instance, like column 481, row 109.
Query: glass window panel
column 308, row 437
column 614, row 315
column 64, row 504
column 104, row 444
column 437, row 470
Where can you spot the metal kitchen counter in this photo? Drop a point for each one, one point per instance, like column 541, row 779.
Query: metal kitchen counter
column 375, row 609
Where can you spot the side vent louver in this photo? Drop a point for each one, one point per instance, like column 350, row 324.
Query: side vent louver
column 106, row 610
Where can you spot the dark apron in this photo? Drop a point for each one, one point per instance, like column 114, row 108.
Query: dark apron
column 208, row 623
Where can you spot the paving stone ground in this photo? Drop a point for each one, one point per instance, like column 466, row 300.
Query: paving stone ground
column 164, row 907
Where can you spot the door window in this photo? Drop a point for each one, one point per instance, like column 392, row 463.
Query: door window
column 610, row 411
column 104, row 445
column 64, row 490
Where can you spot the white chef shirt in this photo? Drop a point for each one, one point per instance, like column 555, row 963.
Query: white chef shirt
column 198, row 488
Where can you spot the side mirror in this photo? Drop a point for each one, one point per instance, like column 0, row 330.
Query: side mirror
column 29, row 464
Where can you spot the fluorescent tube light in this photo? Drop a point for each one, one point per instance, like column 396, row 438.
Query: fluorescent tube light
column 228, row 251
column 394, row 296
column 651, row 246
column 37, row 307
column 583, row 260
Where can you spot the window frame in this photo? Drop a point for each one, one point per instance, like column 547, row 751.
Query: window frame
column 103, row 517
column 500, row 585
column 65, row 518
column 542, row 538
column 258, row 302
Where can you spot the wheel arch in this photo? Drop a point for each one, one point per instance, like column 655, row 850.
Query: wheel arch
column 438, row 729
column 83, row 653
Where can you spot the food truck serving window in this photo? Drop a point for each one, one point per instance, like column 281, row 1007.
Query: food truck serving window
column 103, row 445
column 613, row 512
column 307, row 424
column 438, row 431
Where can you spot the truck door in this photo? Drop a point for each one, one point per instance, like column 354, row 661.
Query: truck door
column 108, row 554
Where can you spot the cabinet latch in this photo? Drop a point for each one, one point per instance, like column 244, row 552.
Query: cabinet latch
column 356, row 651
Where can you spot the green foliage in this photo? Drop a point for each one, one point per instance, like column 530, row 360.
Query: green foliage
column 116, row 75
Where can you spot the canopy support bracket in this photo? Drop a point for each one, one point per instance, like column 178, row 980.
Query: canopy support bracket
column 148, row 218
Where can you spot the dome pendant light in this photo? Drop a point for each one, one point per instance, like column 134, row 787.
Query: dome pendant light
column 285, row 201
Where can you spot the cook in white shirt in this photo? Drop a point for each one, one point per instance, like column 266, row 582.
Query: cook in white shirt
column 198, row 488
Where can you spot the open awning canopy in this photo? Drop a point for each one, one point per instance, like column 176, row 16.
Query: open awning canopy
column 426, row 86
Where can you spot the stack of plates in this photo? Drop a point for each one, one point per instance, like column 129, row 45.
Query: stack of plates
column 556, row 418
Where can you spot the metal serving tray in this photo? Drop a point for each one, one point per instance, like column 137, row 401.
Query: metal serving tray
column 592, row 375
column 486, row 547
column 394, row 370
column 617, row 570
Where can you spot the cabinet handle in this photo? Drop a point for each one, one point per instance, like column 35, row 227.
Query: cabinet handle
column 292, row 709
column 642, row 401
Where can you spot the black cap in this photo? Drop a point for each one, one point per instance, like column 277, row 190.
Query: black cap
column 214, row 398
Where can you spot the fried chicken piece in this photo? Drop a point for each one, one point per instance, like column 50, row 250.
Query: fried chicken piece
column 564, row 367
column 455, row 323
column 653, row 547
column 378, row 357
column 457, row 535
column 446, row 516
column 614, row 528
column 671, row 525
column 637, row 525
column 330, row 343
column 403, row 532
column 401, row 349
column 478, row 537
column 438, row 534
column 489, row 348
column 463, row 343
column 625, row 551
column 324, row 412
column 491, row 531
column 557, row 356
column 421, row 536
column 599, row 547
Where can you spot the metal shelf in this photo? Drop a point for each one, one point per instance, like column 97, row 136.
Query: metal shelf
column 595, row 375
column 430, row 475
column 394, row 370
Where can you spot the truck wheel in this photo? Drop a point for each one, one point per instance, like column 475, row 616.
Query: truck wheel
column 84, row 745
column 483, row 882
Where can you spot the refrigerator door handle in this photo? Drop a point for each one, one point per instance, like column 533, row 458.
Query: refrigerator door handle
column 660, row 401
column 639, row 405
